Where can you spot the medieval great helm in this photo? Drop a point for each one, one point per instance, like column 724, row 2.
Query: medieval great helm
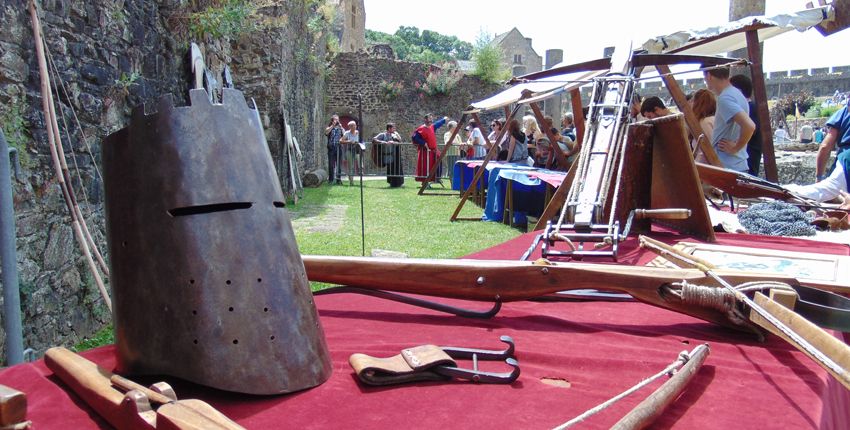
column 207, row 280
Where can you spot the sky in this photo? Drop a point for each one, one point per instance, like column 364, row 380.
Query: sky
column 583, row 28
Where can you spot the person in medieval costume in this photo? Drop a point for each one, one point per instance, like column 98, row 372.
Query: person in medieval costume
column 425, row 138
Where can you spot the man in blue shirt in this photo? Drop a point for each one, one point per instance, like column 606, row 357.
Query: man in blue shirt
column 838, row 134
column 732, row 124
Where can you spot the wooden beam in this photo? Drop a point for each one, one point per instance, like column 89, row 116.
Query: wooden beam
column 690, row 118
column 432, row 173
column 760, row 100
column 558, row 199
column 494, row 150
column 578, row 118
column 642, row 60
column 556, row 149
column 587, row 66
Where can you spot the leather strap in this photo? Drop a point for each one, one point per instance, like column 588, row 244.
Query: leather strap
column 413, row 364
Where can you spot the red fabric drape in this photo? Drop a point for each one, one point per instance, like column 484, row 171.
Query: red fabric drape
column 573, row 356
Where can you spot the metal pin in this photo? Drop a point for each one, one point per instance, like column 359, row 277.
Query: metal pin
column 480, row 280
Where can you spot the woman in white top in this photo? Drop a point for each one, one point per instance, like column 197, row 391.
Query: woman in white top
column 350, row 141
column 532, row 132
column 704, row 105
column 518, row 142
column 476, row 140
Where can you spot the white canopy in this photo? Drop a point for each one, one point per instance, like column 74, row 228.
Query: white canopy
column 732, row 36
column 541, row 89
column 710, row 41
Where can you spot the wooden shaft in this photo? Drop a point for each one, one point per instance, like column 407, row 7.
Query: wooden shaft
column 690, row 118
column 74, row 207
column 662, row 213
column 760, row 99
column 57, row 157
column 578, row 118
column 828, row 346
column 651, row 408
column 516, row 280
column 556, row 149
column 834, row 349
column 127, row 385
column 684, row 259
column 556, row 203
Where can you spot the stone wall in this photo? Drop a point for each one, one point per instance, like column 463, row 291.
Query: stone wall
column 113, row 55
column 820, row 82
column 364, row 73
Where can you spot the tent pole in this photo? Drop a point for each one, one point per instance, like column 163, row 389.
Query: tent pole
column 760, row 99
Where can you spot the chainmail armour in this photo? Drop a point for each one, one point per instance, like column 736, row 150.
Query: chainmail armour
column 777, row 219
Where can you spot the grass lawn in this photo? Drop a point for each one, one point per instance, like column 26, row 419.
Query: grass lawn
column 396, row 219
column 327, row 222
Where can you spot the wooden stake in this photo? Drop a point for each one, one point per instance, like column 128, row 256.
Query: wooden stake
column 690, row 118
column 556, row 149
column 760, row 100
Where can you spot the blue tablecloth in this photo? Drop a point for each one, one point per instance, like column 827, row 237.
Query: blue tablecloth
column 529, row 193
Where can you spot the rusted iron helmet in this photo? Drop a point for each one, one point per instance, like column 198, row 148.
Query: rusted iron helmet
column 207, row 281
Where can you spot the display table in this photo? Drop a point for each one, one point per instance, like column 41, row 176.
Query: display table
column 512, row 190
column 586, row 351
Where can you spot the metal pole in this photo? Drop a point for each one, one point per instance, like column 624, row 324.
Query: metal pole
column 360, row 162
column 9, row 260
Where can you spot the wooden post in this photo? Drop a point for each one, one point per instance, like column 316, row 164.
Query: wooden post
column 760, row 99
column 494, row 150
column 578, row 118
column 690, row 118
column 556, row 149
column 558, row 199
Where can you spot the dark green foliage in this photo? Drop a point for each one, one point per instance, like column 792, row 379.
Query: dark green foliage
column 104, row 337
column 785, row 105
column 488, row 61
column 426, row 46
column 230, row 18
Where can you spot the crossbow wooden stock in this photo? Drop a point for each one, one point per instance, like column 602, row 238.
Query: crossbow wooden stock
column 742, row 185
column 688, row 291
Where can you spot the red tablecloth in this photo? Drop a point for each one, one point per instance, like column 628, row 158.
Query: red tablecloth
column 597, row 349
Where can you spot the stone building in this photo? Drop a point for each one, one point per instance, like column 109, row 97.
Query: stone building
column 518, row 55
column 350, row 24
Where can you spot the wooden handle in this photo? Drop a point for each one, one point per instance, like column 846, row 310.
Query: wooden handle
column 651, row 408
column 13, row 406
column 663, row 213
column 83, row 376
column 91, row 383
column 834, row 349
column 132, row 410
column 127, row 385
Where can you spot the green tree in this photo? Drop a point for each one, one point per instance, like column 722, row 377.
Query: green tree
column 488, row 60
column 787, row 105
column 426, row 46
